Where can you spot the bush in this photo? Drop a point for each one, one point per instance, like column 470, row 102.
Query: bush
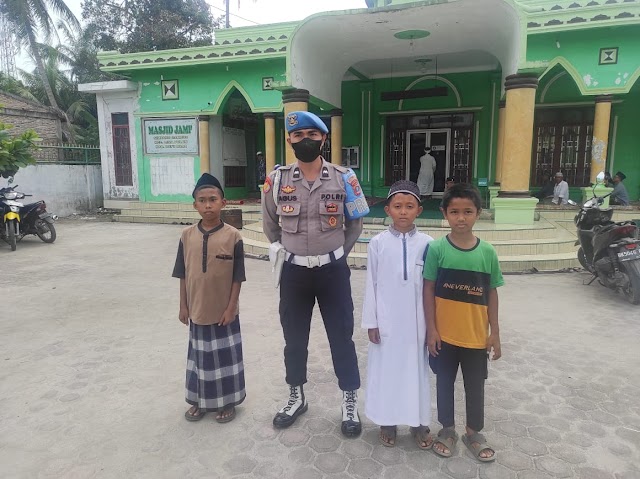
column 16, row 151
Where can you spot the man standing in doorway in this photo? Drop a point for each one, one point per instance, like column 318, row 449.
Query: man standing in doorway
column 310, row 199
column 427, row 171
column 560, row 191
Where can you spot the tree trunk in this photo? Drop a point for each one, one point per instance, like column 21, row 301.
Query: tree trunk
column 42, row 72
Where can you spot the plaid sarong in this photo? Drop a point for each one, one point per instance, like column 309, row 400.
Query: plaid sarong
column 215, row 372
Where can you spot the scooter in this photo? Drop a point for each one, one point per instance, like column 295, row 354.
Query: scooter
column 609, row 250
column 19, row 220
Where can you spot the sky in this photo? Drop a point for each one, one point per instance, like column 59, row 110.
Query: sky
column 250, row 12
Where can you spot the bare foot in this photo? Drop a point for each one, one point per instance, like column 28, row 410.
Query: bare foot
column 388, row 435
column 226, row 415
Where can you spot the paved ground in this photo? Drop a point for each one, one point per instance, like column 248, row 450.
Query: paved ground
column 91, row 383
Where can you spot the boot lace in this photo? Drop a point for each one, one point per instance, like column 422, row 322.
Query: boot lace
column 350, row 404
column 293, row 398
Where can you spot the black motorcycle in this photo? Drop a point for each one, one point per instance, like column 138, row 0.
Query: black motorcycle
column 19, row 220
column 609, row 250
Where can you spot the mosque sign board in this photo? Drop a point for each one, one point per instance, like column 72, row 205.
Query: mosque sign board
column 170, row 136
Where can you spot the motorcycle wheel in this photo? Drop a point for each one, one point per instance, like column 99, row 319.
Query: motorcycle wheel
column 12, row 240
column 582, row 259
column 45, row 231
column 632, row 292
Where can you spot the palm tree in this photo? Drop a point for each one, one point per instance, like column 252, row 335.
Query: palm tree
column 31, row 17
column 78, row 109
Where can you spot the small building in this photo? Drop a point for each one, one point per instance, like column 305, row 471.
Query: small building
column 25, row 115
column 504, row 92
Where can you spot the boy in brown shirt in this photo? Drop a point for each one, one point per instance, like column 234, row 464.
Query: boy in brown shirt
column 210, row 265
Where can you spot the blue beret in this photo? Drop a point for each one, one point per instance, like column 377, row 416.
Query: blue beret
column 303, row 120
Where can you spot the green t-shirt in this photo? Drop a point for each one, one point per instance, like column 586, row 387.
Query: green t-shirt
column 463, row 280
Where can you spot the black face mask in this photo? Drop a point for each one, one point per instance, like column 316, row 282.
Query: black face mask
column 307, row 150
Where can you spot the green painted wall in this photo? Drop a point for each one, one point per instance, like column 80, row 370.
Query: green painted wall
column 626, row 148
column 579, row 53
column 203, row 90
column 211, row 83
column 475, row 90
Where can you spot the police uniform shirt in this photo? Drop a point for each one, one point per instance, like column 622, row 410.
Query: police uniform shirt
column 311, row 215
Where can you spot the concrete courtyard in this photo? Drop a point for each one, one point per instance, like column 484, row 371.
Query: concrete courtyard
column 92, row 376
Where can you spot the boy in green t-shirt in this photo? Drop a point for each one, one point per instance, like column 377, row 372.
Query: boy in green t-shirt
column 461, row 275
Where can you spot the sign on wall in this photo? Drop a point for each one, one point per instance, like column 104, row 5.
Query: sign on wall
column 170, row 136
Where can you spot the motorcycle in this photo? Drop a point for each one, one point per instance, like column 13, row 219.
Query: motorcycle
column 609, row 250
column 19, row 220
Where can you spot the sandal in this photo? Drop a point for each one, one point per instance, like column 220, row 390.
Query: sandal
column 390, row 433
column 194, row 414
column 477, row 444
column 448, row 438
column 223, row 419
column 422, row 436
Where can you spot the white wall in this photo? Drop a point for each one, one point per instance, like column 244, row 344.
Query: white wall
column 67, row 189
column 108, row 103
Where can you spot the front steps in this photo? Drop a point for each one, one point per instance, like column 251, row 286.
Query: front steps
column 546, row 245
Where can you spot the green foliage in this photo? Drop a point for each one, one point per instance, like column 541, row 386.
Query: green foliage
column 147, row 25
column 32, row 18
column 16, row 151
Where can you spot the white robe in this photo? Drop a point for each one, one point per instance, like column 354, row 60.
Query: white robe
column 425, row 177
column 397, row 390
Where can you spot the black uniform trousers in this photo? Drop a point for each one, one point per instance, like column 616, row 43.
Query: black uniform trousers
column 473, row 363
column 331, row 286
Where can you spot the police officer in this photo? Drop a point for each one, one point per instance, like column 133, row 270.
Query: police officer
column 308, row 198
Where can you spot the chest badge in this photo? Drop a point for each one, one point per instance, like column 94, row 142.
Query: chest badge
column 333, row 221
column 332, row 208
column 266, row 188
column 288, row 209
column 287, row 190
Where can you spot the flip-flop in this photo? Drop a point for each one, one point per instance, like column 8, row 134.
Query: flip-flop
column 391, row 432
column 194, row 417
column 480, row 446
column 448, row 438
column 229, row 418
column 422, row 434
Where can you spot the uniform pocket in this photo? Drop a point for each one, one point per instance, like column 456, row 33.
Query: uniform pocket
column 289, row 216
column 331, row 215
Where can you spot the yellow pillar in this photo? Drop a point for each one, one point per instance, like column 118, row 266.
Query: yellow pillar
column 518, row 136
column 514, row 204
column 293, row 100
column 500, row 150
column 270, row 141
column 600, row 136
column 336, row 137
column 204, row 143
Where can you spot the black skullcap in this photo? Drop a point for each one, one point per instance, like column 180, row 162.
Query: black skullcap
column 404, row 186
column 621, row 175
column 207, row 181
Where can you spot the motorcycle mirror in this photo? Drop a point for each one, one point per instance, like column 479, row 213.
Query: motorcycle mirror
column 572, row 203
column 600, row 177
column 10, row 180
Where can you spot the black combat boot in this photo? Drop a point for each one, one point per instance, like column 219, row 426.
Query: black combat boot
column 296, row 405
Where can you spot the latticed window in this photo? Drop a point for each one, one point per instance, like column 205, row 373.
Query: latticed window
column 396, row 169
column 462, row 140
column 562, row 142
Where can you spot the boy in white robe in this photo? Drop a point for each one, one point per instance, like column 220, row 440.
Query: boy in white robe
column 398, row 390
